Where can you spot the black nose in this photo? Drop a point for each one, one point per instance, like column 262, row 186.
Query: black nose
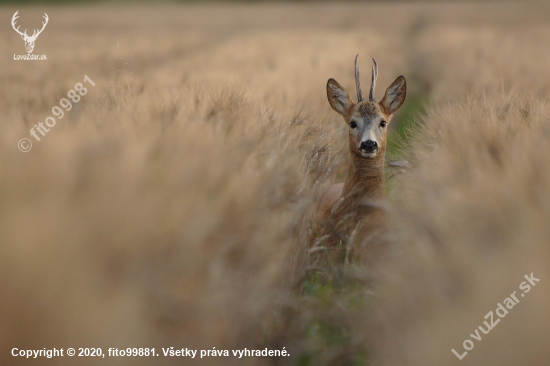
column 369, row 145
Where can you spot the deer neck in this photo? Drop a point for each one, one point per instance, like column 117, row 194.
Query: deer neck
column 365, row 176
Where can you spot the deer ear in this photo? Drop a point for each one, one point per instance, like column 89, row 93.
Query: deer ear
column 23, row 36
column 338, row 98
column 395, row 95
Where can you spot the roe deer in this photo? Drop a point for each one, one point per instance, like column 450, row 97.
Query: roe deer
column 367, row 122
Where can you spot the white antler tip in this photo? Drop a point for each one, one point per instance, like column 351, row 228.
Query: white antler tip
column 357, row 81
column 373, row 83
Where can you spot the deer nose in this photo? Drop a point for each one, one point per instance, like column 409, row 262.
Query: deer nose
column 369, row 146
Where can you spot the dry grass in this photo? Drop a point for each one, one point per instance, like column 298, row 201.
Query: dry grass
column 471, row 220
column 173, row 205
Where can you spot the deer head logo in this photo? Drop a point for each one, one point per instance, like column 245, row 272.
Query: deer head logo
column 29, row 41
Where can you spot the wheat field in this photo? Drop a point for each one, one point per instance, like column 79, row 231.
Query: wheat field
column 173, row 205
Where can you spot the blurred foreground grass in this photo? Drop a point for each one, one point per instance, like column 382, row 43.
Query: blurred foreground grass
column 175, row 205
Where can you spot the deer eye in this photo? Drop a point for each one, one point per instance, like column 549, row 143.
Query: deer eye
column 353, row 124
column 383, row 123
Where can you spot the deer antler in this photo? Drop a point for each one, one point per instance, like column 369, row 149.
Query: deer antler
column 13, row 19
column 35, row 34
column 358, row 82
column 373, row 83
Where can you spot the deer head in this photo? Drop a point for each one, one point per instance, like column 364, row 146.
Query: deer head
column 367, row 120
column 29, row 41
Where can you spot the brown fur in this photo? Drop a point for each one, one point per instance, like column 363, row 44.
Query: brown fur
column 365, row 178
column 352, row 209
